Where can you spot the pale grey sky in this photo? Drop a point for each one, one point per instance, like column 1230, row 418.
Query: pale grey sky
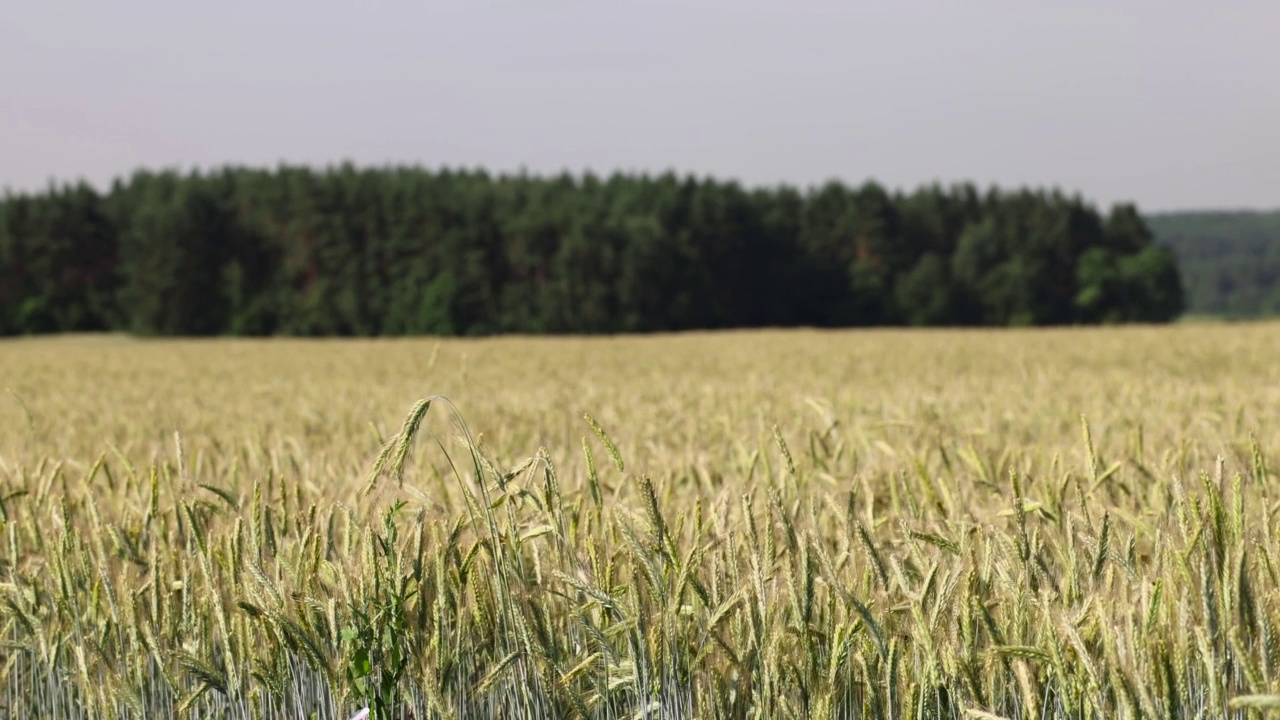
column 1170, row 103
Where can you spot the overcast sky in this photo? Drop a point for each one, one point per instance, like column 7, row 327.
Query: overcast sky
column 1173, row 104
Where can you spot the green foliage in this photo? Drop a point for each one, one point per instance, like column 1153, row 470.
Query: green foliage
column 376, row 637
column 57, row 262
column 1230, row 261
column 925, row 293
column 172, row 255
column 395, row 251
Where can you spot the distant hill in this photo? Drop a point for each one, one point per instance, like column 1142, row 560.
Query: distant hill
column 1230, row 261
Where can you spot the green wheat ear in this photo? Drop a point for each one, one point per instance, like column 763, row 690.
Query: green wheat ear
column 395, row 452
column 608, row 443
column 1256, row 702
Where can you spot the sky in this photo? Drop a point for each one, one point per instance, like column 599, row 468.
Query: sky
column 1172, row 104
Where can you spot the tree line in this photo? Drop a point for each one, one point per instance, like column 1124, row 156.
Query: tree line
column 1230, row 260
column 392, row 251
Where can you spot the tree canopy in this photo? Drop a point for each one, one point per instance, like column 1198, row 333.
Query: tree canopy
column 1230, row 260
column 393, row 251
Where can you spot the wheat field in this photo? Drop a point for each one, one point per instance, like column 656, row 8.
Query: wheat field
column 1069, row 523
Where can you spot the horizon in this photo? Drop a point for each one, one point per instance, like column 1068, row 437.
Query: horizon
column 578, row 176
column 1165, row 105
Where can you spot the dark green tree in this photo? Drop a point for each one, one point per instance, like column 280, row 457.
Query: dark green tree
column 364, row 251
column 171, row 259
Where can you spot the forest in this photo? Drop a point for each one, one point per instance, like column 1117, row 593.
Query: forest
column 1230, row 260
column 399, row 250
